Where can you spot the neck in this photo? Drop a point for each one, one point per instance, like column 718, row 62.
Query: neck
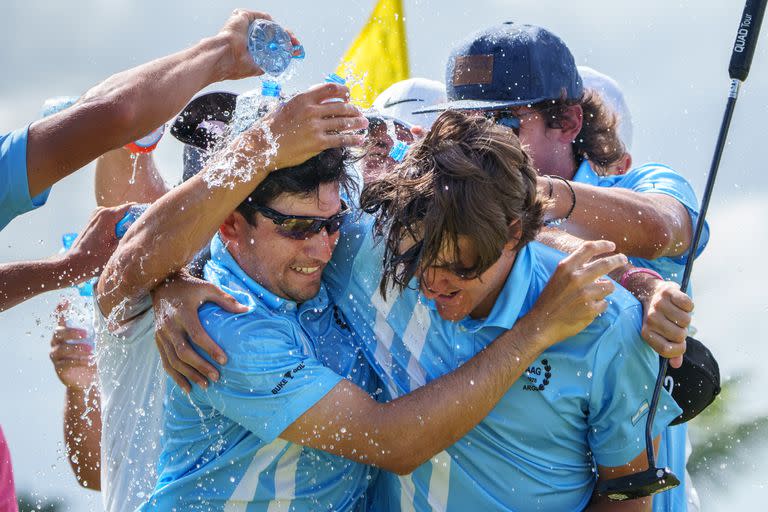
column 500, row 276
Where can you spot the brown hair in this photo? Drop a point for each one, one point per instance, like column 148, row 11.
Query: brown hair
column 468, row 177
column 598, row 141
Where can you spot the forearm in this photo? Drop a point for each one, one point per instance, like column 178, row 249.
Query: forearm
column 121, row 109
column 176, row 226
column 643, row 225
column 449, row 407
column 82, row 435
column 23, row 280
column 122, row 178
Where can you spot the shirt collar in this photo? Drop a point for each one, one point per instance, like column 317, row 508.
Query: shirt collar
column 585, row 174
column 227, row 272
column 509, row 303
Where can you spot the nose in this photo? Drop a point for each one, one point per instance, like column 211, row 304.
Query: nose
column 321, row 245
column 436, row 282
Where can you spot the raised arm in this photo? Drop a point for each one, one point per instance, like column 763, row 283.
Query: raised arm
column 122, row 177
column 349, row 423
column 130, row 104
column 23, row 280
column 177, row 225
column 646, row 225
column 82, row 403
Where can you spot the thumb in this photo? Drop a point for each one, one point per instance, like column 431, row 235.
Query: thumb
column 676, row 362
column 226, row 301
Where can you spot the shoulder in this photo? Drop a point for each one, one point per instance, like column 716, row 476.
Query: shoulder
column 651, row 176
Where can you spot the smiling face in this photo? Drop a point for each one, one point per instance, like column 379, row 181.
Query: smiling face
column 458, row 291
column 289, row 268
column 376, row 160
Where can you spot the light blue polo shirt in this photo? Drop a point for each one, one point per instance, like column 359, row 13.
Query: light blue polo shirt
column 584, row 399
column 14, row 185
column 221, row 449
column 660, row 179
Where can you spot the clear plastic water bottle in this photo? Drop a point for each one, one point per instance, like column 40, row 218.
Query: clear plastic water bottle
column 271, row 48
column 80, row 311
column 251, row 105
column 133, row 213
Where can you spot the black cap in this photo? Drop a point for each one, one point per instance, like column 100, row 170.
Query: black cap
column 696, row 383
column 509, row 65
column 203, row 121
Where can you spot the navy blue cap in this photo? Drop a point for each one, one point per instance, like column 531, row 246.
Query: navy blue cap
column 509, row 65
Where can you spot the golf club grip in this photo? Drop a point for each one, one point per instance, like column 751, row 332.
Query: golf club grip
column 746, row 39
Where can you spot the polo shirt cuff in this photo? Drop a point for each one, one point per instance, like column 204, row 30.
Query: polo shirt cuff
column 19, row 181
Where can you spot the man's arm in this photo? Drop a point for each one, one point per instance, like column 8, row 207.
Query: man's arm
column 666, row 309
column 646, row 225
column 130, row 104
column 349, row 423
column 23, row 280
column 177, row 225
column 603, row 504
column 122, row 177
column 82, row 405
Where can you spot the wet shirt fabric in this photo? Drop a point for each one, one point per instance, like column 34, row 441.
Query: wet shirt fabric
column 7, row 490
column 660, row 179
column 221, row 449
column 14, row 186
column 584, row 399
column 132, row 384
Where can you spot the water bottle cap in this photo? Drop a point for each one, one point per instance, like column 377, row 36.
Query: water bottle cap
column 397, row 153
column 270, row 88
column 333, row 78
column 67, row 239
column 86, row 289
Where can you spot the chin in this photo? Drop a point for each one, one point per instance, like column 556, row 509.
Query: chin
column 305, row 293
column 451, row 314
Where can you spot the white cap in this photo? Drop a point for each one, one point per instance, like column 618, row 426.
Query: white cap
column 611, row 93
column 401, row 99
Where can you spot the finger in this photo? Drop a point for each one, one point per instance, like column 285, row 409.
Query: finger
column 671, row 332
column 294, row 40
column 61, row 334
column 200, row 338
column 60, row 312
column 343, row 124
column 676, row 362
column 178, row 378
column 337, row 109
column 418, row 131
column 186, row 361
column 662, row 345
column 599, row 290
column 226, row 301
column 673, row 314
column 681, row 300
column 326, row 91
column 251, row 15
column 603, row 266
column 588, row 251
column 337, row 140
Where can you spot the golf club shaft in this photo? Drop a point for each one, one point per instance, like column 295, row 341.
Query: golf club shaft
column 741, row 61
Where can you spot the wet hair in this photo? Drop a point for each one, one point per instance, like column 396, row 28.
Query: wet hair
column 598, row 141
column 469, row 177
column 330, row 166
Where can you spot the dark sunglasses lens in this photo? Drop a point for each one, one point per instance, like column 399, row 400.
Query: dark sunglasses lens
column 299, row 229
column 334, row 224
column 509, row 121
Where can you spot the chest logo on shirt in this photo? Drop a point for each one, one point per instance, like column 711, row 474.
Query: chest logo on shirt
column 537, row 377
column 289, row 375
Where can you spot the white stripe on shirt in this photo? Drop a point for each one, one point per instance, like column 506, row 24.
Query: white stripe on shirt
column 439, row 482
column 245, row 491
column 285, row 480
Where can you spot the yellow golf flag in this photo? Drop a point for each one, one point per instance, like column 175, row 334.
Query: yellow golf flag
column 379, row 56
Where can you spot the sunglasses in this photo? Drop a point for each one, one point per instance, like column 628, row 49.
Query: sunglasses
column 504, row 118
column 410, row 261
column 301, row 227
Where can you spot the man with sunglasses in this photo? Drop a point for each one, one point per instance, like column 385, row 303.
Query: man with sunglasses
column 524, row 77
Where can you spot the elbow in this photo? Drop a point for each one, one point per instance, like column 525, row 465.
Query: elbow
column 403, row 457
column 666, row 241
column 401, row 466
column 92, row 483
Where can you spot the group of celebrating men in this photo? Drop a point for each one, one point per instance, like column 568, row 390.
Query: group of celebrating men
column 433, row 334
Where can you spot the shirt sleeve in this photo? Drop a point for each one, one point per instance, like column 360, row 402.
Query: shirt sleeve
column 659, row 179
column 623, row 381
column 14, row 185
column 270, row 379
